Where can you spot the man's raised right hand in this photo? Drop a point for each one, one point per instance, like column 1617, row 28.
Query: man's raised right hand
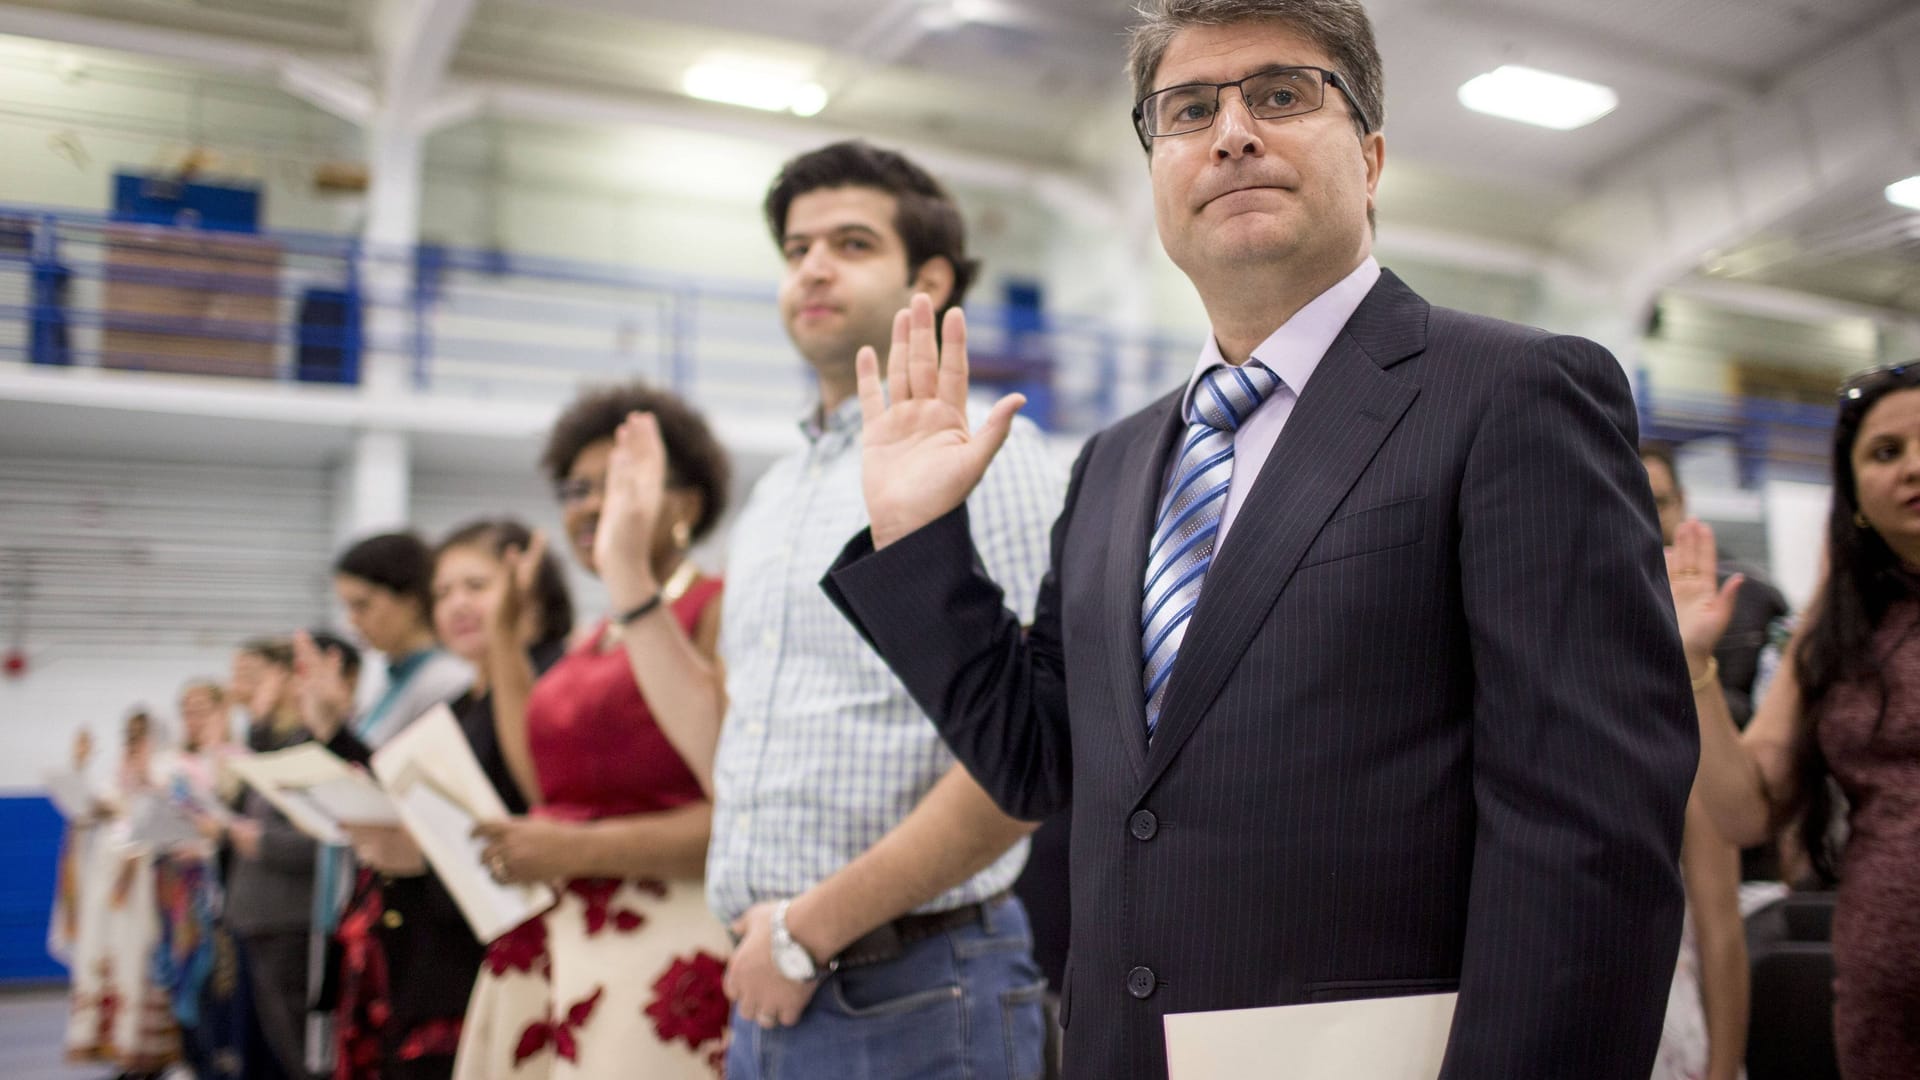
column 919, row 461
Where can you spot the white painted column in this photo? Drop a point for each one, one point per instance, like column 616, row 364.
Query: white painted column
column 373, row 487
column 386, row 268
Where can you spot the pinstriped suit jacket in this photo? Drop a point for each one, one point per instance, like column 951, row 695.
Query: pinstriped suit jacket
column 1430, row 727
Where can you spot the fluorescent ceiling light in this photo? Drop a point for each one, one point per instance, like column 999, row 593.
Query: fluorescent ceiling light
column 1537, row 97
column 755, row 88
column 1905, row 193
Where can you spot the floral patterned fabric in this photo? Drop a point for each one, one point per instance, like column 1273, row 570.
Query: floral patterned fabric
column 619, row 979
column 119, row 1014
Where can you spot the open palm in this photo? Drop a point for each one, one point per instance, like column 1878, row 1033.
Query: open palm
column 636, row 489
column 1702, row 606
column 919, row 459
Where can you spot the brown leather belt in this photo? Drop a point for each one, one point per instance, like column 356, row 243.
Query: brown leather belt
column 888, row 941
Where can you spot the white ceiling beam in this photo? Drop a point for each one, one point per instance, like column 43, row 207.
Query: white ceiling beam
column 200, row 50
column 1831, row 128
column 348, row 98
column 1786, row 305
column 416, row 41
column 1578, row 49
column 1058, row 188
column 321, row 79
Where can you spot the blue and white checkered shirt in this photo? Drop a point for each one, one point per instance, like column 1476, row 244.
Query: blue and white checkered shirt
column 823, row 752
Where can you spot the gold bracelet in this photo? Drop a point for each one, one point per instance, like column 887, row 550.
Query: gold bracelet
column 1708, row 676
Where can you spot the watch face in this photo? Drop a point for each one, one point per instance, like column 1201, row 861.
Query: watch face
column 794, row 963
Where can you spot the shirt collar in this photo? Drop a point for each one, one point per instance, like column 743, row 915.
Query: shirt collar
column 1294, row 350
column 401, row 670
column 844, row 418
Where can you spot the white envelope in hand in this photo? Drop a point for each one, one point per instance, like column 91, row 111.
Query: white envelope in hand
column 1400, row 1038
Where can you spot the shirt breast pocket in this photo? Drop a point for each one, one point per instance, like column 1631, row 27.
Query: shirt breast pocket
column 1365, row 531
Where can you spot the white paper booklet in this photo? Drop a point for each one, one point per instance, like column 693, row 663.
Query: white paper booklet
column 442, row 792
column 159, row 822
column 70, row 794
column 1400, row 1038
column 316, row 790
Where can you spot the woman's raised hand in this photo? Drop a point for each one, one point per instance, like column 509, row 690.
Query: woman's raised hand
column 1702, row 605
column 630, row 511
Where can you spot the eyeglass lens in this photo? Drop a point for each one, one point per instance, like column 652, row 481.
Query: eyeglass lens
column 1270, row 95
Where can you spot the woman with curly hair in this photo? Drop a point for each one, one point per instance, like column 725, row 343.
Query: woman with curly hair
column 623, row 976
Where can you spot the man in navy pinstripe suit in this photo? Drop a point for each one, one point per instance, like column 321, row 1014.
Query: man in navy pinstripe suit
column 1355, row 657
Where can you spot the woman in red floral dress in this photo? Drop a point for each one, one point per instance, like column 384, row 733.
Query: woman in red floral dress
column 622, row 977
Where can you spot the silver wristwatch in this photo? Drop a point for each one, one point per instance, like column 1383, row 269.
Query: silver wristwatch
column 790, row 956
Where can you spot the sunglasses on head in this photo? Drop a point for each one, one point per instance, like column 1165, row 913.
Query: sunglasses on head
column 1869, row 383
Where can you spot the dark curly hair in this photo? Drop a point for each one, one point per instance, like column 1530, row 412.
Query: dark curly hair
column 695, row 459
column 495, row 536
column 926, row 217
column 399, row 562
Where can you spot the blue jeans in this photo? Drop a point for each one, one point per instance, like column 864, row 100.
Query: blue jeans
column 961, row 1005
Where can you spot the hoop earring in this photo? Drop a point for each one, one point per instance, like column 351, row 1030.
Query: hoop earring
column 682, row 534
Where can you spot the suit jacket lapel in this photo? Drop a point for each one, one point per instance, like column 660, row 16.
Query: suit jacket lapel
column 1349, row 408
column 1137, row 502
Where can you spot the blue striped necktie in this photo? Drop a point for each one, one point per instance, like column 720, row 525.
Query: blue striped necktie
column 1189, row 521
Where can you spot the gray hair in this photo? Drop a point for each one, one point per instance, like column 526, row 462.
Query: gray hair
column 1340, row 28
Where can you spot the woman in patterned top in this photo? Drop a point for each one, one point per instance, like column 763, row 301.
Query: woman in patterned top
column 1846, row 704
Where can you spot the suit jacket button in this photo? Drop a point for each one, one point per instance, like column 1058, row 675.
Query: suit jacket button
column 1140, row 982
column 1143, row 825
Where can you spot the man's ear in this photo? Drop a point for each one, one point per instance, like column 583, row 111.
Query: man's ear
column 935, row 278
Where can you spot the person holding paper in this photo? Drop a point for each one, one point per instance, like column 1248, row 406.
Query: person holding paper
column 1354, row 656
column 193, row 940
column 407, row 956
column 270, row 872
column 117, row 1012
column 622, row 977
column 383, row 582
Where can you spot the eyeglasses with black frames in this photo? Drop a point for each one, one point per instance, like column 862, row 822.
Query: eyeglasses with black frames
column 1273, row 94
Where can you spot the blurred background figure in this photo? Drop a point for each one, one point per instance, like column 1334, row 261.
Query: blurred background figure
column 407, row 957
column 271, row 868
column 196, row 960
column 119, row 1015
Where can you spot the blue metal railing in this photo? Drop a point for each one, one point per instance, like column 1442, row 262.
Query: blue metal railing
column 83, row 290
column 1779, row 439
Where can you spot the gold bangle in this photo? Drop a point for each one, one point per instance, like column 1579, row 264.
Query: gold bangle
column 1708, row 676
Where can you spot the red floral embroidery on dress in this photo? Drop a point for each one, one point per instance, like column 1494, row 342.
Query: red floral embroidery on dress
column 108, row 1003
column 689, row 1002
column 655, row 889
column 434, row 1038
column 597, row 894
column 524, row 948
column 540, row 1033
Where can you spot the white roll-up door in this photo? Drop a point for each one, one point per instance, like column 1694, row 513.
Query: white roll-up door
column 129, row 557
